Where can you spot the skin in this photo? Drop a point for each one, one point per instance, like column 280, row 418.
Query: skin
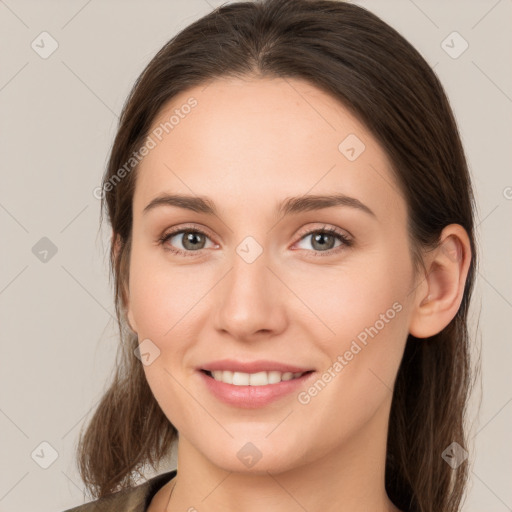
column 247, row 145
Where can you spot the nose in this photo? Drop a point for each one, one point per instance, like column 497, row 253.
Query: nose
column 251, row 300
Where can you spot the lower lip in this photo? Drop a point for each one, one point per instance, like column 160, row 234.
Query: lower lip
column 250, row 397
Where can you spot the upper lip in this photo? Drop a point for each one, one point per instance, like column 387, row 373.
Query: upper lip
column 252, row 366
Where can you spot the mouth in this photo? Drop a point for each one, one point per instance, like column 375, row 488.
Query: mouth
column 263, row 378
column 253, row 390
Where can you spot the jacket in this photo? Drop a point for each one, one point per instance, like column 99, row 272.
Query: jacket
column 131, row 499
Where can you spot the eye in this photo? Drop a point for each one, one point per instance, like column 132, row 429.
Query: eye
column 192, row 239
column 323, row 240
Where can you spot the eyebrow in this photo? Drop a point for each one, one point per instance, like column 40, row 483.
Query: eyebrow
column 291, row 205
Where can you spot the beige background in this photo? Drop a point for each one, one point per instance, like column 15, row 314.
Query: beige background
column 58, row 118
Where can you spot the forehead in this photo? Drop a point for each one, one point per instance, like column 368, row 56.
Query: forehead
column 256, row 141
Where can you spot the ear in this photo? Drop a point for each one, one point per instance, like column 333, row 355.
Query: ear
column 115, row 241
column 117, row 245
column 439, row 295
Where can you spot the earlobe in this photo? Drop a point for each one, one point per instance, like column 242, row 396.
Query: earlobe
column 441, row 293
column 115, row 241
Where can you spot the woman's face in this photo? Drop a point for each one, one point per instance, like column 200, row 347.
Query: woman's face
column 255, row 282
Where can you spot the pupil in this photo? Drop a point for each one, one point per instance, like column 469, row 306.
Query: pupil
column 192, row 238
column 320, row 236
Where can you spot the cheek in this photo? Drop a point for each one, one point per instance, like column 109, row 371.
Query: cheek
column 161, row 293
column 151, row 305
column 343, row 300
column 368, row 317
column 362, row 312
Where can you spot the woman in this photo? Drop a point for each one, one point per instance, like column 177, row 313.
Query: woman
column 294, row 257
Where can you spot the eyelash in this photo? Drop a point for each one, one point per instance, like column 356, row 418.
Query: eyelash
column 346, row 242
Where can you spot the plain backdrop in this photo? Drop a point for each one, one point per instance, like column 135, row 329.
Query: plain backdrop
column 58, row 117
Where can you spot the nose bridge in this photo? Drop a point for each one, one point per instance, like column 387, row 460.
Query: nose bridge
column 249, row 299
column 249, row 271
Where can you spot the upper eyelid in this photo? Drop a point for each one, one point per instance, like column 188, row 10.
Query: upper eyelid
column 182, row 229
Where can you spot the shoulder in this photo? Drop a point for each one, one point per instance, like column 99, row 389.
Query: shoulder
column 130, row 499
column 127, row 499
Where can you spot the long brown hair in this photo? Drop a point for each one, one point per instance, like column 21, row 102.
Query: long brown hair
column 353, row 55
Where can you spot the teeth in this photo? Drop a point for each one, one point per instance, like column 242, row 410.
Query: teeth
column 253, row 379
